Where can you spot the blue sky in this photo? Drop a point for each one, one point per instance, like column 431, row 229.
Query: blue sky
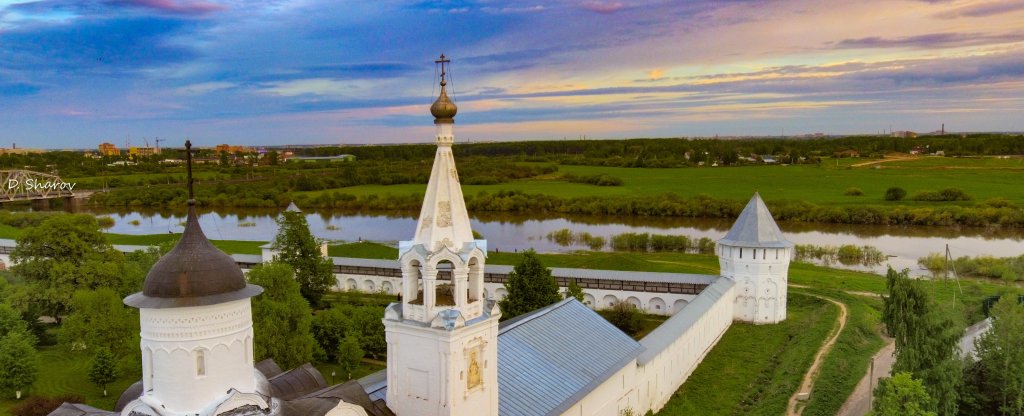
column 77, row 73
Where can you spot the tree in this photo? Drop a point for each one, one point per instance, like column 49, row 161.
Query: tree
column 926, row 342
column 281, row 317
column 901, row 395
column 66, row 253
column 329, row 327
column 18, row 361
column 574, row 291
column 298, row 248
column 102, row 369
column 530, row 286
column 1000, row 353
column 369, row 322
column 98, row 320
column 349, row 354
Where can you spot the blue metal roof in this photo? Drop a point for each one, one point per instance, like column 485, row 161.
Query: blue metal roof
column 551, row 358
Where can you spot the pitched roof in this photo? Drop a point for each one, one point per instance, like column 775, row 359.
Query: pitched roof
column 75, row 409
column 551, row 358
column 755, row 227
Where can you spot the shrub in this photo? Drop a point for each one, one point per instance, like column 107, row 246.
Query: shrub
column 105, row 222
column 948, row 194
column 626, row 317
column 853, row 192
column 895, row 193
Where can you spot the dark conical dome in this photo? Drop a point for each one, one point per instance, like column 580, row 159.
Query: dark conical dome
column 193, row 273
column 443, row 109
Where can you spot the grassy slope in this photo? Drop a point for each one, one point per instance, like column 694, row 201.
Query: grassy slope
column 825, row 185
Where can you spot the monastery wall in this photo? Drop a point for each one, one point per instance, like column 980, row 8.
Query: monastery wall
column 676, row 347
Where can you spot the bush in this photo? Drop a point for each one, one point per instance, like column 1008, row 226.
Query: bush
column 853, row 192
column 42, row 406
column 895, row 193
column 626, row 317
column 105, row 222
column 948, row 194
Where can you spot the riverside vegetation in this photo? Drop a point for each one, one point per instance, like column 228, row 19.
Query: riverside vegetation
column 640, row 177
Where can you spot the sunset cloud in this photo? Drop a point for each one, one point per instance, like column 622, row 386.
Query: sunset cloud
column 74, row 73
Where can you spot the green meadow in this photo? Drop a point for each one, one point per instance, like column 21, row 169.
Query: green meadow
column 825, row 184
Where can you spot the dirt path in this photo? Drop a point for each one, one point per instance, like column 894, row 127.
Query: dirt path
column 875, row 162
column 859, row 401
column 794, row 408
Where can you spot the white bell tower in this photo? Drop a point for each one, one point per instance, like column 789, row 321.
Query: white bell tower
column 443, row 337
column 756, row 256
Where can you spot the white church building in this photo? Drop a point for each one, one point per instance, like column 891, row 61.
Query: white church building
column 447, row 353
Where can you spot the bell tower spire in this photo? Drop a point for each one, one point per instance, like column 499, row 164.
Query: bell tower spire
column 443, row 336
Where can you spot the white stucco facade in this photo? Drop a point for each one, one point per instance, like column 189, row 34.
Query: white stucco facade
column 192, row 356
column 761, row 276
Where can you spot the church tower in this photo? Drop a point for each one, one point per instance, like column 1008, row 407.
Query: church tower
column 756, row 256
column 443, row 336
column 197, row 337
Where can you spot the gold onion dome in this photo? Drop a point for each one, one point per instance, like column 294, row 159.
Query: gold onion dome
column 443, row 108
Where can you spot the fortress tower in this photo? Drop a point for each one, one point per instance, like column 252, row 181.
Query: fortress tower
column 197, row 338
column 756, row 256
column 442, row 337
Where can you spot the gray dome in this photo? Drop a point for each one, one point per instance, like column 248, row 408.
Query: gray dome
column 194, row 273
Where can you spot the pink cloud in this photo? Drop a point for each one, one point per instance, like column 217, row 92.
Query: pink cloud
column 603, row 7
column 190, row 7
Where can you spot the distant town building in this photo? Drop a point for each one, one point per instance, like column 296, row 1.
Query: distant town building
column 227, row 148
column 143, row 151
column 109, row 149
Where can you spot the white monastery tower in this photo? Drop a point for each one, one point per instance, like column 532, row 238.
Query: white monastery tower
column 756, row 256
column 197, row 337
column 443, row 337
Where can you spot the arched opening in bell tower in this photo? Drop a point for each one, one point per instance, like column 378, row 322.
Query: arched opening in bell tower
column 476, row 281
column 444, row 288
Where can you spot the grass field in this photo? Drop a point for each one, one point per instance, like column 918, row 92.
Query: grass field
column 981, row 178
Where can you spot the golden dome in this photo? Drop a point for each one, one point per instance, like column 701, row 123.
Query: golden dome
column 443, row 108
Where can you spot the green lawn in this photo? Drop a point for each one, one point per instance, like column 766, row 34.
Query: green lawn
column 823, row 185
column 754, row 369
column 61, row 372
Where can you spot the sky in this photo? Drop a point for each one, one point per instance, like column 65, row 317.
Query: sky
column 74, row 74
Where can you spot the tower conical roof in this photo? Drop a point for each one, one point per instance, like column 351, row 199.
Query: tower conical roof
column 755, row 227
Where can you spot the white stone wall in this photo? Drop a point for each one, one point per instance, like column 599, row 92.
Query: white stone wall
column 611, row 397
column 428, row 369
column 192, row 356
column 650, row 302
column 761, row 276
column 662, row 372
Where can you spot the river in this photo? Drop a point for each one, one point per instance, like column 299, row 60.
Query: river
column 508, row 232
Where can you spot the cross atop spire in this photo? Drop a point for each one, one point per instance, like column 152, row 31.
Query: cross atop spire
column 443, row 62
column 188, row 168
column 443, row 108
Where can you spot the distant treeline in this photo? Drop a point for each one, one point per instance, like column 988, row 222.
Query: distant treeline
column 678, row 152
column 275, row 191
